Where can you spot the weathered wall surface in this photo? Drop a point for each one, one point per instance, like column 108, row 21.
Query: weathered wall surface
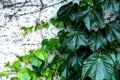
column 13, row 17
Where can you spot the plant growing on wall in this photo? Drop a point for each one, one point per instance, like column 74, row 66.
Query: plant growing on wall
column 89, row 50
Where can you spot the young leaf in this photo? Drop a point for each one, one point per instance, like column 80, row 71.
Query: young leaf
column 98, row 67
column 48, row 45
column 16, row 66
column 96, row 41
column 75, row 39
column 25, row 74
column 45, row 24
column 4, row 73
column 113, row 31
column 41, row 54
column 57, row 22
column 35, row 61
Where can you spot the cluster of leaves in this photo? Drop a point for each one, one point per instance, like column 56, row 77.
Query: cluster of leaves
column 35, row 28
column 88, row 51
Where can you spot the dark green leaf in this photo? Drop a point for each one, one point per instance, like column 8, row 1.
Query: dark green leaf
column 96, row 41
column 75, row 39
column 91, row 17
column 110, row 5
column 62, row 34
column 46, row 72
column 118, row 58
column 67, row 10
column 94, row 18
column 14, row 78
column 113, row 31
column 115, row 75
column 71, row 67
column 98, row 67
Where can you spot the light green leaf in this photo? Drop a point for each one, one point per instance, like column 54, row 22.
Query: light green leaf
column 35, row 61
column 113, row 31
column 41, row 54
column 15, row 66
column 90, row 2
column 98, row 66
column 25, row 58
column 25, row 74
column 57, row 22
column 75, row 39
column 49, row 44
column 45, row 24
column 4, row 73
column 96, row 41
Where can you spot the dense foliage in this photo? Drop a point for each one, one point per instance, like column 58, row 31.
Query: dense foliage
column 89, row 50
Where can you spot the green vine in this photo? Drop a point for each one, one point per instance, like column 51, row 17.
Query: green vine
column 89, row 50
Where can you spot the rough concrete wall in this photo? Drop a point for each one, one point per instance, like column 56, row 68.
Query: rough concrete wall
column 12, row 18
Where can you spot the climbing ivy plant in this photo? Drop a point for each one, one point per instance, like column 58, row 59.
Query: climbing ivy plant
column 89, row 50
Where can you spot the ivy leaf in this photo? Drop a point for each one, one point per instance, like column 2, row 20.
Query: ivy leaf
column 66, row 10
column 4, row 73
column 25, row 74
column 91, row 17
column 96, row 41
column 41, row 54
column 57, row 22
column 24, row 58
column 16, row 66
column 62, row 34
column 73, row 62
column 46, row 72
column 112, row 31
column 45, row 24
column 35, row 61
column 72, row 66
column 90, row 2
column 110, row 5
column 14, row 78
column 75, row 39
column 49, row 44
column 118, row 58
column 115, row 75
column 98, row 67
